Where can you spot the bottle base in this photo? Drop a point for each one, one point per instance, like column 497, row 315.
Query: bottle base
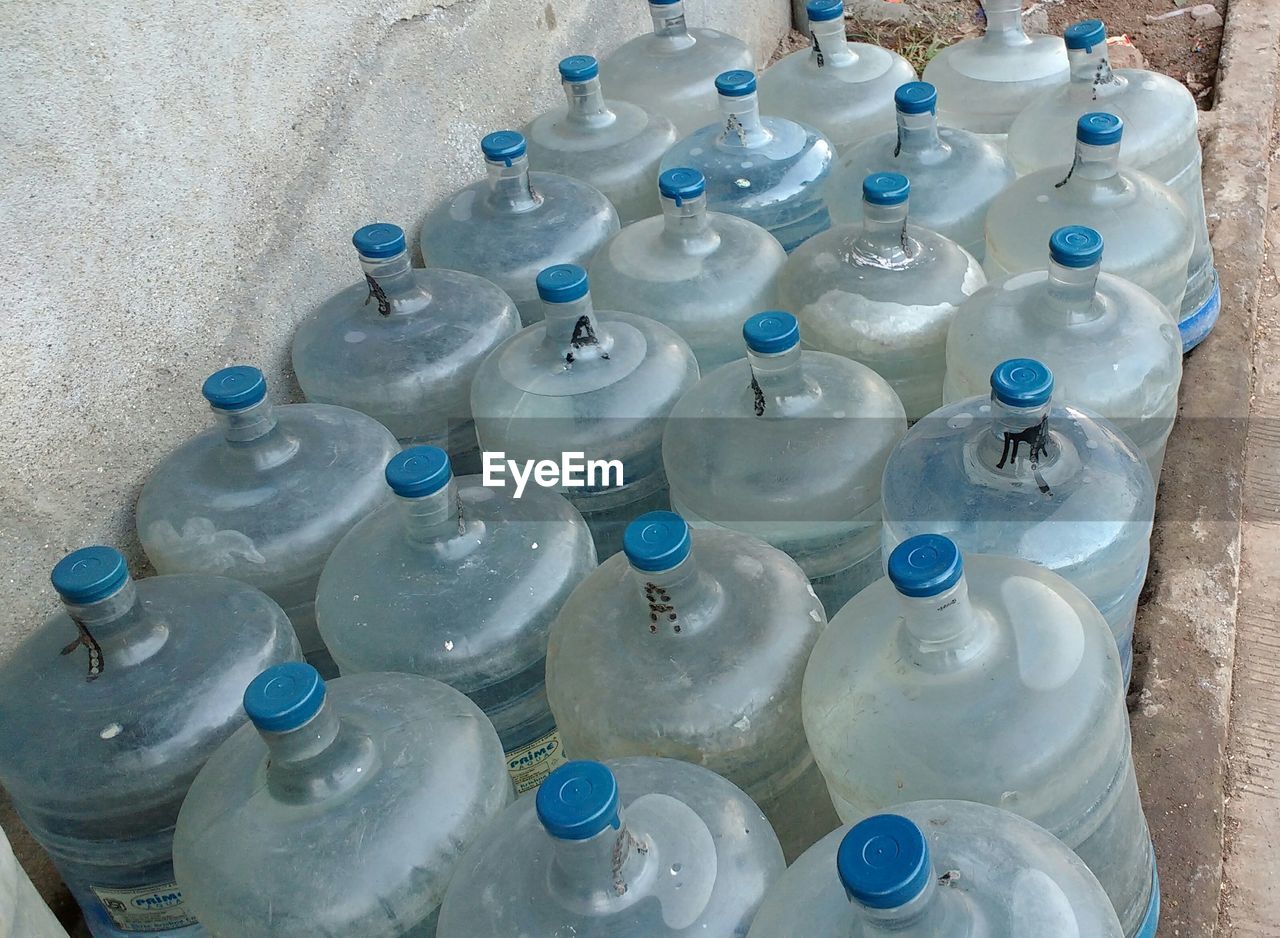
column 1196, row 326
column 1151, row 919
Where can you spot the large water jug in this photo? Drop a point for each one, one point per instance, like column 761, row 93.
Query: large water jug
column 513, row 223
column 1160, row 139
column 789, row 446
column 692, row 645
column 883, row 293
column 613, row 145
column 1113, row 347
column 107, row 712
column 460, row 582
column 954, row 174
column 768, row 170
column 842, row 88
column 939, row 869
column 990, row 680
column 984, row 83
column 1145, row 223
column 342, row 810
column 1013, row 473
column 670, row 71
column 23, row 913
column 266, row 496
column 632, row 848
column 402, row 345
column 585, row 395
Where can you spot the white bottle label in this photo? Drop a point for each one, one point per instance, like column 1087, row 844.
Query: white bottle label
column 532, row 763
column 145, row 908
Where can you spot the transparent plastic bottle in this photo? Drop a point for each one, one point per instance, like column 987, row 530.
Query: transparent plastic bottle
column 23, row 913
column 954, row 174
column 513, row 223
column 896, row 874
column 989, row 680
column 266, row 496
column 691, row 645
column 1113, row 347
column 670, row 71
column 403, row 344
column 883, row 293
column 107, row 712
column 768, row 170
column 342, row 810
column 1011, row 472
column 597, row 384
column 1160, row 139
column 460, row 582
column 632, row 848
column 1146, row 226
column 789, row 446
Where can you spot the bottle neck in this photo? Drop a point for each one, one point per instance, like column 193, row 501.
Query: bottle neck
column 1004, row 23
column 687, row 226
column 597, row 872
column 510, row 189
column 587, row 107
column 254, row 432
column 776, row 379
column 574, row 332
column 433, row 518
column 918, row 133
column 1071, row 291
column 829, row 46
column 1018, row 444
column 1094, row 163
column 681, row 601
column 742, row 124
column 393, row 289
column 668, row 22
column 943, row 630
column 323, row 758
column 884, row 234
column 1092, row 67
column 926, row 914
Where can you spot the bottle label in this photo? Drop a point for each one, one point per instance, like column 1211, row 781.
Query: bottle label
column 532, row 763
column 145, row 908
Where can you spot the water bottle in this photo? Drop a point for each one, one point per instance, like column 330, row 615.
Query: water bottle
column 954, row 173
column 1145, row 223
column 701, row 273
column 789, row 446
column 1013, row 473
column 692, row 645
column 1113, row 347
column 842, row 88
column 1160, row 139
column 403, row 344
column 342, row 810
column 23, row 913
column 768, row 170
column 266, row 496
column 631, row 848
column 670, row 70
column 992, row 680
column 513, row 223
column 933, row 869
column 585, row 396
column 459, row 582
column 107, row 712
column 883, row 293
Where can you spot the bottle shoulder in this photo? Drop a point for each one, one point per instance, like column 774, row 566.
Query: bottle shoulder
column 640, row 253
column 635, row 136
column 869, row 70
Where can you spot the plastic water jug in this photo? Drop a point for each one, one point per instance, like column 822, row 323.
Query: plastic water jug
column 266, row 496
column 789, row 446
column 768, row 170
column 513, row 223
column 990, row 680
column 938, row 869
column 586, row 392
column 691, row 644
column 342, row 810
column 700, row 272
column 459, row 582
column 107, row 712
column 632, row 848
column 402, row 345
column 23, row 913
column 883, row 293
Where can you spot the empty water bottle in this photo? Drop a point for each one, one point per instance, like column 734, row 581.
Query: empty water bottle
column 403, row 344
column 789, row 446
column 883, row 293
column 632, row 848
column 692, row 645
column 939, row 869
column 989, row 680
column 342, row 810
column 513, row 223
column 701, row 273
column 266, row 496
column 768, row 170
column 460, row 582
column 107, row 712
column 23, row 913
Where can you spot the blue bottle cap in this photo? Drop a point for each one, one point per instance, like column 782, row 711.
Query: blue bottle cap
column 89, row 574
column 916, row 97
column 579, row 68
column 820, row 11
column 235, row 388
column 379, row 240
column 284, row 697
column 1075, row 246
column 883, row 861
column 682, row 184
column 663, row 3
column 503, row 146
column 578, row 801
column 419, row 471
column 885, row 189
column 736, row 83
column 771, row 332
column 1085, row 35
column 562, row 283
column 1099, row 129
column 656, row 541
column 1022, row 382
column 925, row 565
